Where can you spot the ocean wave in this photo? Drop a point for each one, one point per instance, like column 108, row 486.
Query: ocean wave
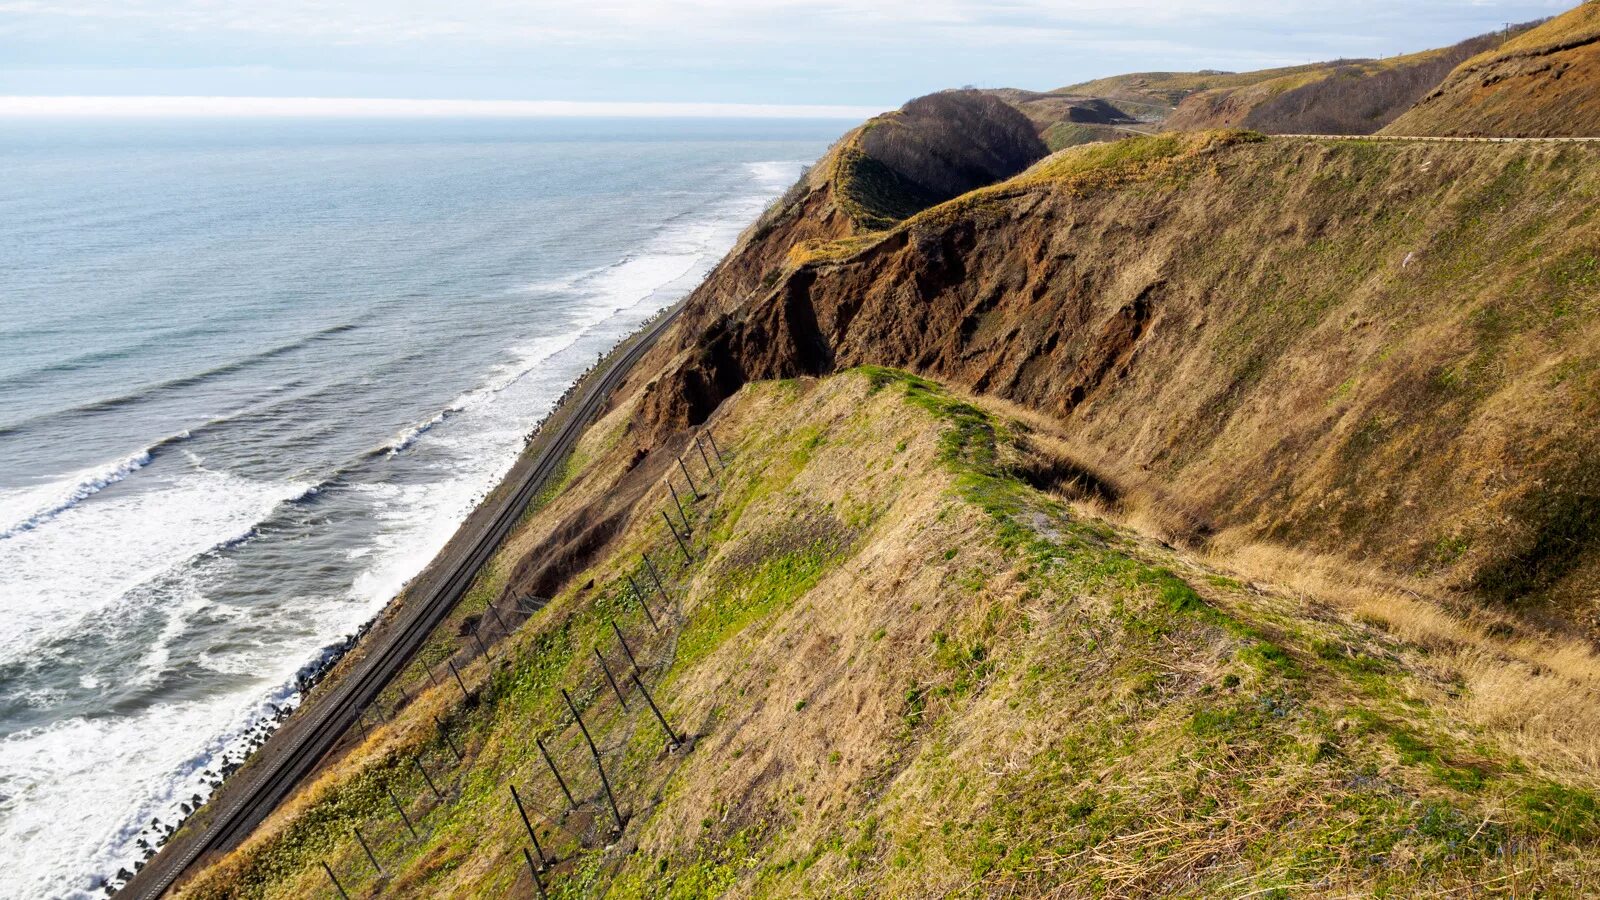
column 776, row 173
column 120, row 401
column 69, row 492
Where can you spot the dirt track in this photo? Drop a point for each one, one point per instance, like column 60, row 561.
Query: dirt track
column 294, row 751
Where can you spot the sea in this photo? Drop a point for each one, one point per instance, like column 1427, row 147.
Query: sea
column 253, row 374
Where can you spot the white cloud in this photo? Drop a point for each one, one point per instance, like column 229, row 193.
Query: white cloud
column 750, row 50
column 535, row 21
column 355, row 107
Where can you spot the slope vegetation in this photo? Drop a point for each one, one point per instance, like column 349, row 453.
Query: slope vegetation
column 1165, row 91
column 940, row 677
column 1065, row 121
column 1542, row 83
column 1389, row 352
column 930, row 150
column 1343, row 97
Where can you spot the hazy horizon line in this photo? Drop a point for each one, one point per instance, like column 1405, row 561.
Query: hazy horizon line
column 201, row 106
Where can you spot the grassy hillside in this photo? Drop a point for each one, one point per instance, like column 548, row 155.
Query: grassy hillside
column 1166, row 90
column 1386, row 351
column 944, row 676
column 1067, row 121
column 930, row 150
column 1542, row 83
column 1355, row 97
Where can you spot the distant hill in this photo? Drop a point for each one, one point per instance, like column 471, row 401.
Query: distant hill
column 1544, row 82
column 1340, row 97
column 1162, row 92
column 1064, row 121
column 930, row 150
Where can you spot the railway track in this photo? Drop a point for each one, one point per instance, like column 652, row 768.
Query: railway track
column 294, row 751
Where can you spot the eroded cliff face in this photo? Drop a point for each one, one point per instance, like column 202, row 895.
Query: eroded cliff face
column 1387, row 352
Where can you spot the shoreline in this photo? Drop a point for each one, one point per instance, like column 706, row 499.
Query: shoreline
column 547, row 446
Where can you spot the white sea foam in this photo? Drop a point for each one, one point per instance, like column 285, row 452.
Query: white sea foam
column 61, row 787
column 27, row 509
column 93, row 555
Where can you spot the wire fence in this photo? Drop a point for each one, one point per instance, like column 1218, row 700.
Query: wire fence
column 580, row 754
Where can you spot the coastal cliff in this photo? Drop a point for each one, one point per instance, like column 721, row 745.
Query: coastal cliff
column 1201, row 514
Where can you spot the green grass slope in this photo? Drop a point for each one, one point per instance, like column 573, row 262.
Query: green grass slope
column 909, row 664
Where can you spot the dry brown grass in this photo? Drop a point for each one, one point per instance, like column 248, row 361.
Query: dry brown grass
column 1539, row 693
column 891, row 697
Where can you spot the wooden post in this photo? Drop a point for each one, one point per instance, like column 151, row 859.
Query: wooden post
column 481, row 648
column 417, row 761
column 459, row 683
column 687, row 556
column 609, row 680
column 401, row 810
column 618, row 632
column 534, row 871
column 556, row 772
column 445, row 733
column 686, row 477
column 370, row 857
column 594, row 752
column 431, row 678
column 336, row 885
column 639, row 595
column 715, row 449
column 671, row 735
column 676, row 500
column 710, row 473
column 517, row 799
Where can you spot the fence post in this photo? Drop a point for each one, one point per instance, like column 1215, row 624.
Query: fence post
column 715, row 449
column 710, row 473
column 600, row 657
column 687, row 556
column 686, row 477
column 618, row 632
column 534, row 871
column 401, row 810
column 417, row 761
column 370, row 857
column 481, row 648
column 639, row 595
column 459, row 683
column 671, row 735
column 594, row 752
column 517, row 799
column 431, row 678
column 681, row 514
column 445, row 733
column 336, row 885
column 556, row 772
column 496, row 614
column 656, row 576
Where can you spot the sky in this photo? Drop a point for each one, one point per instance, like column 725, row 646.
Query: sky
column 735, row 57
